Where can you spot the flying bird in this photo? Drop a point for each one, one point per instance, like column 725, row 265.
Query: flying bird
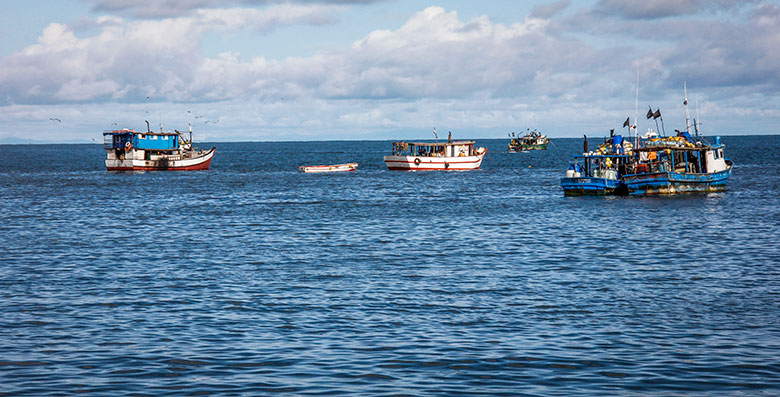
column 113, row 123
column 55, row 119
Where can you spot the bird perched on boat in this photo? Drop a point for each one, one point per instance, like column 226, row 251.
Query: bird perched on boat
column 55, row 119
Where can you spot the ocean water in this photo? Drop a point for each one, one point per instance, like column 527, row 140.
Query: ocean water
column 252, row 278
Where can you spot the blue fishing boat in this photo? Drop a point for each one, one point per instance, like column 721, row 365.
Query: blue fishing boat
column 679, row 164
column 599, row 173
column 596, row 175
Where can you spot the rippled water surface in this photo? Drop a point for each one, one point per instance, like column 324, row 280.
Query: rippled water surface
column 252, row 278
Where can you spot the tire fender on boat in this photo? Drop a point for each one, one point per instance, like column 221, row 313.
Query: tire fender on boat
column 128, row 145
column 417, row 161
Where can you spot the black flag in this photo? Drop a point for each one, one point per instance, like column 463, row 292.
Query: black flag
column 657, row 113
column 649, row 113
column 625, row 124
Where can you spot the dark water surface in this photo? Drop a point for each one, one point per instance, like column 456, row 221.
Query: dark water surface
column 252, row 278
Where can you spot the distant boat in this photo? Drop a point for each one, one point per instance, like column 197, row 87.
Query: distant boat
column 130, row 150
column 533, row 140
column 328, row 168
column 435, row 156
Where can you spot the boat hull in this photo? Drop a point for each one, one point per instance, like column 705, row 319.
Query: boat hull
column 593, row 187
column 328, row 168
column 541, row 146
column 665, row 183
column 423, row 163
column 167, row 163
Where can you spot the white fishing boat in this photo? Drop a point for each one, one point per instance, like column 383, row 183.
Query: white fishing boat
column 435, row 156
column 130, row 150
column 328, row 168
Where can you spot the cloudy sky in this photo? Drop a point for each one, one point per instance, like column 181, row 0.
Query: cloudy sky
column 257, row 70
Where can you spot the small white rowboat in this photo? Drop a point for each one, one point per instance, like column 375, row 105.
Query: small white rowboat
column 329, row 168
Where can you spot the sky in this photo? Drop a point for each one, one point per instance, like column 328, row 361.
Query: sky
column 287, row 70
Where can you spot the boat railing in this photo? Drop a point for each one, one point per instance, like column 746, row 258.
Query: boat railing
column 108, row 142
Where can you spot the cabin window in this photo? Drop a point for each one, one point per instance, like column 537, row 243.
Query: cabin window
column 717, row 155
column 720, row 151
column 154, row 137
column 164, row 137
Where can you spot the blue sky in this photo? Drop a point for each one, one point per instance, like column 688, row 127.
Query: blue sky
column 383, row 69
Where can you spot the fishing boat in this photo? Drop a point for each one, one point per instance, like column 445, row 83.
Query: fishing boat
column 532, row 140
column 679, row 164
column 328, row 168
column 130, row 150
column 435, row 156
column 600, row 173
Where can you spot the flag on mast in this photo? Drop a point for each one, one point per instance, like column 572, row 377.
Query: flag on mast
column 435, row 134
column 626, row 123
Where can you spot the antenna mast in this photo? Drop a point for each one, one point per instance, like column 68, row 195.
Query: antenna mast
column 636, row 113
column 698, row 120
column 685, row 103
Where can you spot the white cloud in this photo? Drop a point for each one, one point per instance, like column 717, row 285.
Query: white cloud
column 435, row 69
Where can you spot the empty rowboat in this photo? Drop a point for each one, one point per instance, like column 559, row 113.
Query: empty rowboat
column 329, row 168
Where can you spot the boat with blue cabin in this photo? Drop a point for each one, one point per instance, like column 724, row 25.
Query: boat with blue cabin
column 600, row 173
column 130, row 150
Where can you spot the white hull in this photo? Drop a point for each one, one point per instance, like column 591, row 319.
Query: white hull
column 134, row 161
column 328, row 168
column 424, row 163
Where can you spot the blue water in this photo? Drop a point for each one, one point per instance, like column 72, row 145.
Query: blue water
column 252, row 278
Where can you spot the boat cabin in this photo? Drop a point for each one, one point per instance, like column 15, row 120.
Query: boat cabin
column 434, row 149
column 162, row 141
column 600, row 166
column 687, row 159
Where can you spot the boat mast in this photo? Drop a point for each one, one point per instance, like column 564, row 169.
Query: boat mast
column 697, row 120
column 685, row 103
column 636, row 114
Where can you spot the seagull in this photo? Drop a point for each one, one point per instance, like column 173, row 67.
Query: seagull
column 113, row 123
column 189, row 111
column 55, row 119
